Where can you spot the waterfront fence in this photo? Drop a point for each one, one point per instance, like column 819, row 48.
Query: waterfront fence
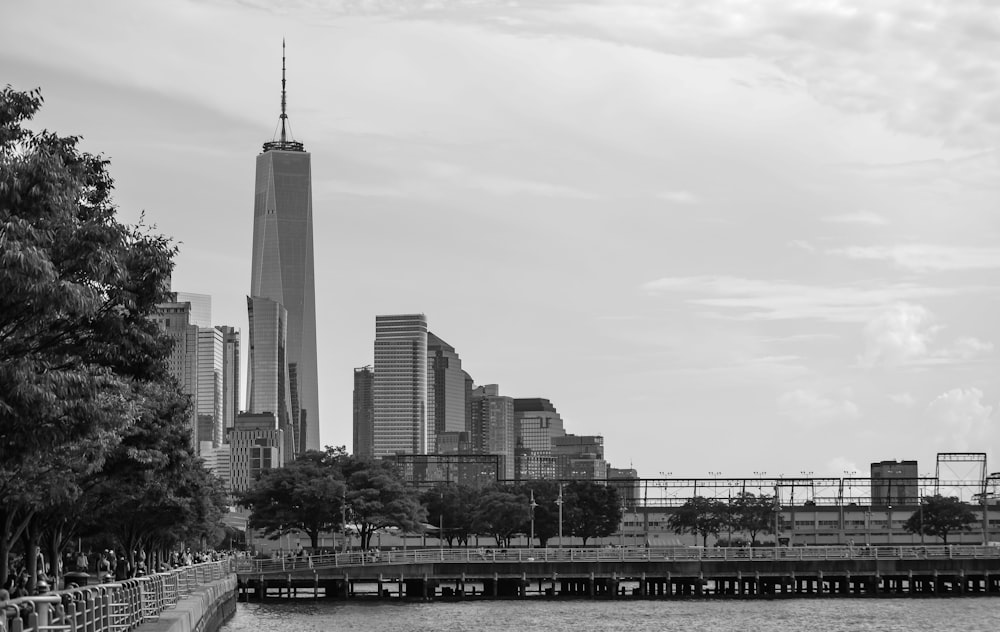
column 621, row 554
column 109, row 607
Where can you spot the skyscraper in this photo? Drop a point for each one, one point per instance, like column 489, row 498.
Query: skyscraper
column 283, row 267
column 400, row 385
column 493, row 429
column 364, row 412
column 268, row 390
column 446, row 394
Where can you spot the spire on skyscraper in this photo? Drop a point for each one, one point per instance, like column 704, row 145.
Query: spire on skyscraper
column 283, row 143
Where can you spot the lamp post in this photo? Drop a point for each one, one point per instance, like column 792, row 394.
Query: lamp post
column 343, row 518
column 531, row 507
column 559, row 502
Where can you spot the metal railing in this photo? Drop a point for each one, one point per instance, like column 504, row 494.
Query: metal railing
column 621, row 554
column 109, row 607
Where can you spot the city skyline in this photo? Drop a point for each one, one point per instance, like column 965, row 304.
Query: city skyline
column 726, row 237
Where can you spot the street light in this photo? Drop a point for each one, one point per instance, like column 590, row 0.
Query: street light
column 559, row 501
column 531, row 507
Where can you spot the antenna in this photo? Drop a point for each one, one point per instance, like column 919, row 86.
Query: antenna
column 284, row 116
column 284, row 143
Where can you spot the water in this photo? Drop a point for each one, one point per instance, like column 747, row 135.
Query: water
column 969, row 614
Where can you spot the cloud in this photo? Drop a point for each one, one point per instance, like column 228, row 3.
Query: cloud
column 898, row 336
column 679, row 197
column 903, row 399
column 964, row 420
column 927, row 257
column 756, row 299
column 861, row 217
column 810, row 407
column 966, row 348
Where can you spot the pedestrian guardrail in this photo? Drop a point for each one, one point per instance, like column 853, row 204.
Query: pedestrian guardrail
column 621, row 554
column 109, row 607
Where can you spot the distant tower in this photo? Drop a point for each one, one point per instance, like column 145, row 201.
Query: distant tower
column 493, row 429
column 283, row 269
column 400, row 385
column 364, row 412
column 446, row 395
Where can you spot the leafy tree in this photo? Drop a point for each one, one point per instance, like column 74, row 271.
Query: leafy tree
column 752, row 514
column 940, row 515
column 451, row 506
column 698, row 516
column 152, row 488
column 76, row 291
column 377, row 498
column 546, row 511
column 501, row 512
column 591, row 510
column 304, row 496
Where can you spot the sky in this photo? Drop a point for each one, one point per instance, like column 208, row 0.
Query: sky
column 729, row 236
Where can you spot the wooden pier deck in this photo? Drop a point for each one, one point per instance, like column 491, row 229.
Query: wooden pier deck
column 619, row 573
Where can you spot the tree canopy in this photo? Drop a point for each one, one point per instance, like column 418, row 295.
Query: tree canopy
column 939, row 516
column 699, row 516
column 80, row 351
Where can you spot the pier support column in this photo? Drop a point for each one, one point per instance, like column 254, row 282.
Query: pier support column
column 642, row 585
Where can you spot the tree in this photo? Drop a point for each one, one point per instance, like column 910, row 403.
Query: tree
column 152, row 487
column 546, row 511
column 377, row 498
column 753, row 514
column 698, row 516
column 76, row 291
column 305, row 496
column 501, row 512
column 591, row 510
column 450, row 506
column 939, row 516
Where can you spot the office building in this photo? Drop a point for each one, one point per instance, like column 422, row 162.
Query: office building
column 283, row 270
column 580, row 457
column 400, row 385
column 256, row 443
column 210, row 386
column 894, row 483
column 174, row 319
column 447, row 406
column 231, row 404
column 364, row 412
column 268, row 389
column 493, row 429
column 537, row 422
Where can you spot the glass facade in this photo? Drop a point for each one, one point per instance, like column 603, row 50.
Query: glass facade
column 446, row 392
column 268, row 389
column 400, row 386
column 364, row 412
column 283, row 271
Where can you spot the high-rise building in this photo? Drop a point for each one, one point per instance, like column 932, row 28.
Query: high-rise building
column 446, row 392
column 256, row 443
column 364, row 412
column 538, row 422
column 174, row 319
column 580, row 457
column 493, row 429
column 201, row 307
column 400, row 386
column 230, row 377
column 210, row 386
column 198, row 361
column 283, row 269
column 268, row 390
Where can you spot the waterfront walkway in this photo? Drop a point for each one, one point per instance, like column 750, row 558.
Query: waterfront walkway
column 627, row 571
column 158, row 601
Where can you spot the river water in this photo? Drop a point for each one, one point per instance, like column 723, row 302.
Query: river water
column 967, row 614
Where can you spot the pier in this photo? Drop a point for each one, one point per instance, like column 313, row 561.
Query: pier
column 632, row 573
